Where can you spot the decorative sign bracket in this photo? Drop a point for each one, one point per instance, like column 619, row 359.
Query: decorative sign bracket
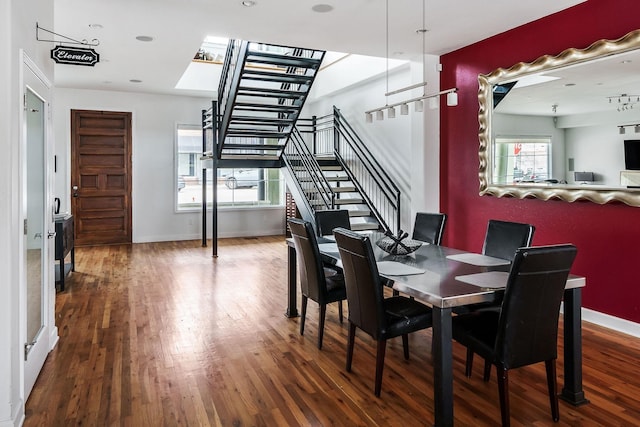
column 67, row 40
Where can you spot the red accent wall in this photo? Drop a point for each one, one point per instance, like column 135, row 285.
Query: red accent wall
column 607, row 236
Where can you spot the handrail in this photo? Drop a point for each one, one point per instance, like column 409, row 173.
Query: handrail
column 332, row 134
column 228, row 89
column 296, row 153
column 374, row 166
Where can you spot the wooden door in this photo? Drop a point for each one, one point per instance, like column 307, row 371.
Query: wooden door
column 101, row 177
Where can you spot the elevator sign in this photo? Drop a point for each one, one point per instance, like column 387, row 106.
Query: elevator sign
column 75, row 55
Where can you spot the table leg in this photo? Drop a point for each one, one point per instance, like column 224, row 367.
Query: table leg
column 292, row 283
column 572, row 391
column 442, row 367
column 61, row 267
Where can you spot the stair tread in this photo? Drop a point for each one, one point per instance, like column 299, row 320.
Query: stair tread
column 277, row 59
column 353, row 213
column 256, row 133
column 266, row 76
column 344, row 189
column 253, row 146
column 269, row 108
column 365, row 226
column 271, row 91
column 251, row 119
column 350, row 201
column 240, row 156
column 342, row 178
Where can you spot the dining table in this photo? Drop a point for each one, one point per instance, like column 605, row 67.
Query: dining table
column 448, row 280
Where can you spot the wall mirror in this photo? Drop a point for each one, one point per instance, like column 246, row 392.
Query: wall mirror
column 564, row 127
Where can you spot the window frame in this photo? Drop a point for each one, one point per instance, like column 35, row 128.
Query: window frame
column 234, row 204
column 508, row 140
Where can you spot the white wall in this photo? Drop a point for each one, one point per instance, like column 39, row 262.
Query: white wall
column 407, row 147
column 154, row 118
column 598, row 149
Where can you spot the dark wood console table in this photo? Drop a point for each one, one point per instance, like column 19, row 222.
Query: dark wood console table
column 64, row 246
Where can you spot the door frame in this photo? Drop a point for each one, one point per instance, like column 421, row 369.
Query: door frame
column 31, row 76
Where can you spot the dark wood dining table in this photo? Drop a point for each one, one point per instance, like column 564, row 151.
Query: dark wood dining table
column 442, row 286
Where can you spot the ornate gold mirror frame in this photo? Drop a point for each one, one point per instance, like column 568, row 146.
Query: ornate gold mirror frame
column 566, row 192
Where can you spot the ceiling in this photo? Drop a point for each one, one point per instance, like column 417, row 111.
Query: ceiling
column 585, row 88
column 178, row 28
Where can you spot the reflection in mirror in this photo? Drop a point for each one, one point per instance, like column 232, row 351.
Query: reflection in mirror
column 35, row 233
column 556, row 127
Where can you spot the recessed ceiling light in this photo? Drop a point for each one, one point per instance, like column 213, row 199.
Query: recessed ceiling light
column 569, row 84
column 95, row 26
column 248, row 3
column 135, row 81
column 107, row 82
column 144, row 38
column 322, row 8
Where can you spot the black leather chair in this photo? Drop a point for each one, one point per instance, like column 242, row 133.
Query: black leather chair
column 327, row 220
column 525, row 330
column 319, row 284
column 503, row 238
column 429, row 227
column 382, row 318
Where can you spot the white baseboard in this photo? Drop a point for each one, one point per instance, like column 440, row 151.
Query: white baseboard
column 221, row 235
column 53, row 338
column 17, row 416
column 611, row 322
column 607, row 321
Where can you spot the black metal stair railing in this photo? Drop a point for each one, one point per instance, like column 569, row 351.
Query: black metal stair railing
column 307, row 174
column 368, row 176
column 225, row 92
column 331, row 135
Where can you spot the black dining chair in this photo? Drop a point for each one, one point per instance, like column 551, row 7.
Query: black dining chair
column 327, row 220
column 322, row 285
column 429, row 227
column 382, row 318
column 525, row 329
column 503, row 238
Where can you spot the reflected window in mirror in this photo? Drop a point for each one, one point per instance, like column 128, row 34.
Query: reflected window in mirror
column 521, row 159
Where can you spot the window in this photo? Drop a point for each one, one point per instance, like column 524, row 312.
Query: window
column 246, row 187
column 521, row 159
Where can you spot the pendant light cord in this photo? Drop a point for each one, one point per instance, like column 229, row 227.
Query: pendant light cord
column 424, row 33
column 387, row 47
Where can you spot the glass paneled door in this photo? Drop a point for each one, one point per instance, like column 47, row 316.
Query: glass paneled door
column 38, row 227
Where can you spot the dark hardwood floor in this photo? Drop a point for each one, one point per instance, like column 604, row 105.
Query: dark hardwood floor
column 162, row 334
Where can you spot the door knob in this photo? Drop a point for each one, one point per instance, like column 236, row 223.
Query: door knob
column 51, row 234
column 75, row 190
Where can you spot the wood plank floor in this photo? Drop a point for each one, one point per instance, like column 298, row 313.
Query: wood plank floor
column 162, row 334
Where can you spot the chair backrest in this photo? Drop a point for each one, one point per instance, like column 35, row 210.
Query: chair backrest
column 364, row 290
column 312, row 279
column 503, row 238
column 429, row 227
column 328, row 220
column 528, row 325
